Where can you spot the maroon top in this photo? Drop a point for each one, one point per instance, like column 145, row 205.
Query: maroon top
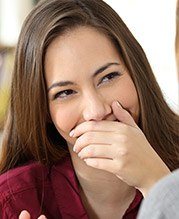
column 51, row 191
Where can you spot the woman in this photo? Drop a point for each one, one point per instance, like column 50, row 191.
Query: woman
column 88, row 126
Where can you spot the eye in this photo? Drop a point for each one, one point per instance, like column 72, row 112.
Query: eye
column 109, row 77
column 64, row 94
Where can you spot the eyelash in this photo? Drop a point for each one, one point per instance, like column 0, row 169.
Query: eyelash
column 110, row 76
column 69, row 92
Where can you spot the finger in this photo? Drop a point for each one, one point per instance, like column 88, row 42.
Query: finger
column 101, row 126
column 24, row 215
column 123, row 115
column 92, row 138
column 103, row 164
column 42, row 217
column 98, row 151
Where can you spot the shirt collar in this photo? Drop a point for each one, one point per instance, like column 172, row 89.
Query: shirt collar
column 65, row 169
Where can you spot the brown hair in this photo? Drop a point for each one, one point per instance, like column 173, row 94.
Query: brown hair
column 30, row 133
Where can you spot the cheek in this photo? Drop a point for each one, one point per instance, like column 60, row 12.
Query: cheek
column 126, row 94
column 64, row 119
column 131, row 101
column 129, row 96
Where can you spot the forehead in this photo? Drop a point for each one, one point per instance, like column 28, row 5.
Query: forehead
column 82, row 49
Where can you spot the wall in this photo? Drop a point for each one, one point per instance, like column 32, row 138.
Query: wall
column 12, row 14
column 153, row 24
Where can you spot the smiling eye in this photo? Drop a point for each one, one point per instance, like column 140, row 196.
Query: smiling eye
column 64, row 94
column 109, row 77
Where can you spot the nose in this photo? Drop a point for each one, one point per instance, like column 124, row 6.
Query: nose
column 95, row 108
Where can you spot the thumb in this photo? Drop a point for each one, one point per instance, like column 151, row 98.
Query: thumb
column 122, row 114
column 24, row 215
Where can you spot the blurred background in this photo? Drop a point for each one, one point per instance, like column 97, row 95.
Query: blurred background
column 153, row 24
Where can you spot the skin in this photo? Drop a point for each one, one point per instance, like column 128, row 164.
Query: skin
column 25, row 215
column 110, row 154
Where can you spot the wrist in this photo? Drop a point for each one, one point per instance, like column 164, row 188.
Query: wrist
column 152, row 181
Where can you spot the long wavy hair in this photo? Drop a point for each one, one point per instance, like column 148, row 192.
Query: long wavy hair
column 29, row 132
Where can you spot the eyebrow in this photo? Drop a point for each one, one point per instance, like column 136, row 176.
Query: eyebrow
column 97, row 72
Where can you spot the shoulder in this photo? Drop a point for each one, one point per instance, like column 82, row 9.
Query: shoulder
column 163, row 198
column 166, row 187
column 21, row 178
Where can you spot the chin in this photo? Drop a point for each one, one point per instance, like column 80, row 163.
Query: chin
column 69, row 140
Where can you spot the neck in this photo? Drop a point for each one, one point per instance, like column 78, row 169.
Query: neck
column 101, row 187
column 106, row 190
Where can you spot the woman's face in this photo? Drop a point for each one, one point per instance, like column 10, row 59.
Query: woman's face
column 84, row 75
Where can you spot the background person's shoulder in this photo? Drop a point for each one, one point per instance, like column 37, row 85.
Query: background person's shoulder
column 163, row 199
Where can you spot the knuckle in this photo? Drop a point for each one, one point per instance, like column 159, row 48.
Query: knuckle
column 121, row 152
column 124, row 138
column 123, row 160
column 121, row 138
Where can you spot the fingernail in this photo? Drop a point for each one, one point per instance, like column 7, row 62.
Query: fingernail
column 24, row 212
column 74, row 149
column 71, row 133
column 79, row 155
column 42, row 217
column 118, row 104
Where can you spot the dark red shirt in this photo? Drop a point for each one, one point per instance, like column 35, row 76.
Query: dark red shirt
column 51, row 191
